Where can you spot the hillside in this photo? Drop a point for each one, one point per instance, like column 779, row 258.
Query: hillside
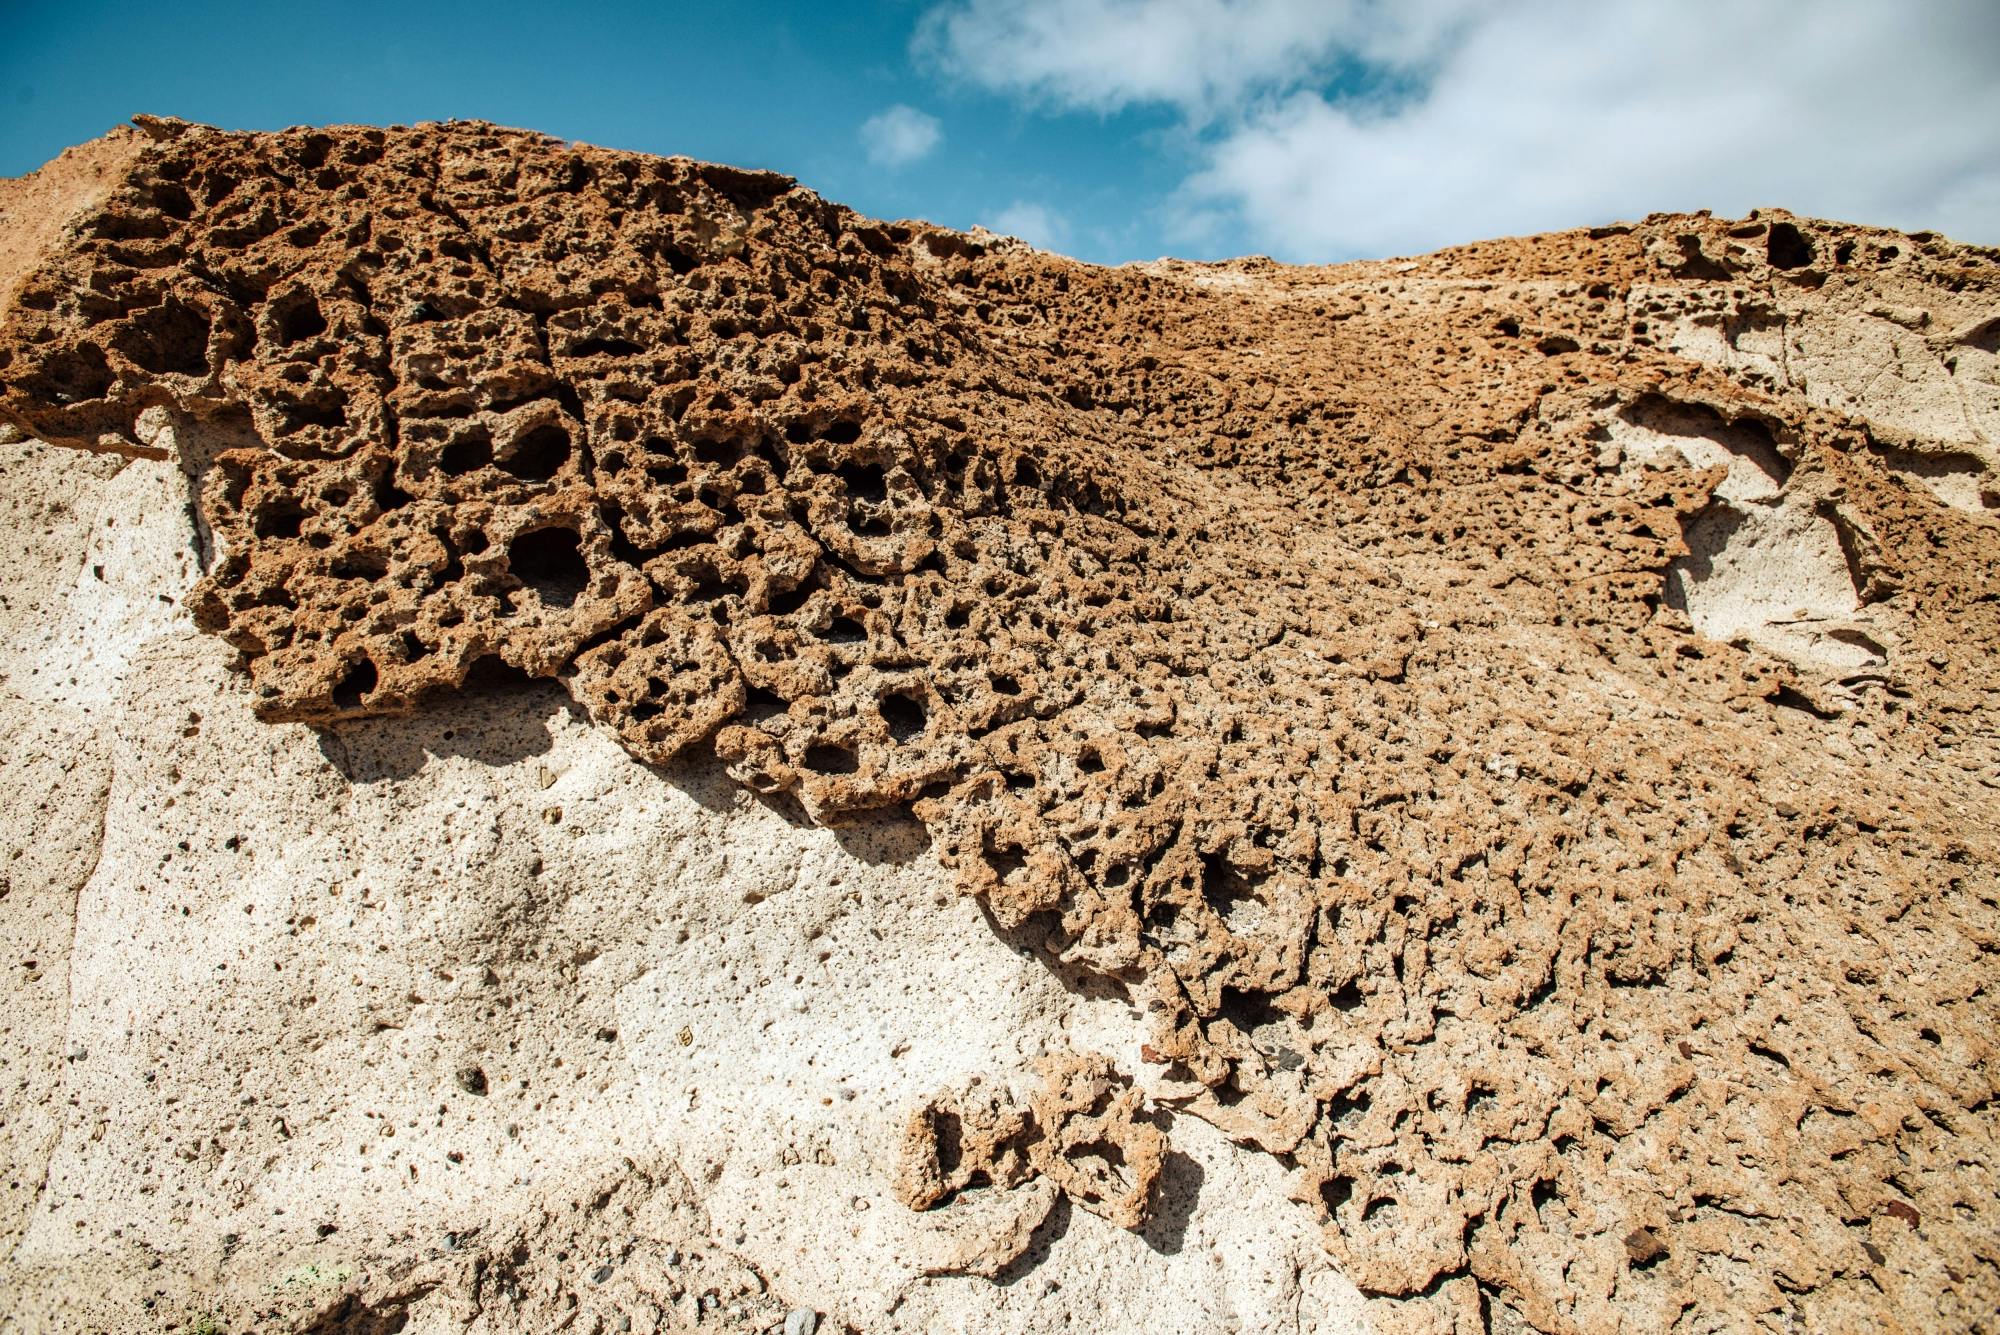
column 573, row 705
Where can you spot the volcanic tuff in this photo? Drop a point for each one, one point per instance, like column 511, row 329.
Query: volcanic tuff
column 1520, row 720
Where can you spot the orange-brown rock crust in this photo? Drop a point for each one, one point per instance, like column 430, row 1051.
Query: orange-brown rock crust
column 1316, row 653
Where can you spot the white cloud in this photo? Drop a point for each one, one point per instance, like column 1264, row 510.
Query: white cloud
column 1521, row 117
column 899, row 136
column 1036, row 224
column 1198, row 55
column 1561, row 115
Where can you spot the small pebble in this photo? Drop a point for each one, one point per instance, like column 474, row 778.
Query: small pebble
column 801, row 1321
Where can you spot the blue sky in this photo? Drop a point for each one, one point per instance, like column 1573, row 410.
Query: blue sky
column 1121, row 129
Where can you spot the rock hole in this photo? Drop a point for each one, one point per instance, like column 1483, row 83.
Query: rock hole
column 360, row 680
column 300, row 321
column 172, row 200
column 842, row 433
column 171, row 338
column 537, row 456
column 81, row 373
column 1007, row 862
column 864, row 482
column 387, row 494
column 281, row 520
column 904, row 715
column 828, row 759
column 121, row 226
column 788, row 601
column 1104, row 1161
column 1776, row 575
column 948, row 1134
column 605, row 347
column 1347, row 1109
column 1230, row 895
column 717, row 453
column 360, row 563
column 471, row 451
column 623, row 549
column 760, row 705
column 1787, row 247
column 709, row 586
column 1658, row 429
column 327, row 409
column 1695, row 264
column 1785, row 697
column 845, row 630
column 313, row 151
column 548, row 560
column 1257, row 1019
column 1334, row 1193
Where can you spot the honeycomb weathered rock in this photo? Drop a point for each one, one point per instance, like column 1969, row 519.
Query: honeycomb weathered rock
column 1082, row 1130
column 1314, row 653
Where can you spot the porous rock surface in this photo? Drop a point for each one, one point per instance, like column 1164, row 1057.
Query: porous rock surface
column 1519, row 722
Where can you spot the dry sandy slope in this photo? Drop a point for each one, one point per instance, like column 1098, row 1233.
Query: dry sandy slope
column 1506, row 737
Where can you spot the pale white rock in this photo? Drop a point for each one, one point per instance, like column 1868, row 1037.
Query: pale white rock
column 286, row 953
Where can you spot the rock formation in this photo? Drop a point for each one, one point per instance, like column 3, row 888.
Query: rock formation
column 1519, row 723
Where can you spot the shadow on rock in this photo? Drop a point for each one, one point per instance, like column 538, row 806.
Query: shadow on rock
column 497, row 718
column 1174, row 1199
column 1040, row 937
column 890, row 837
column 1047, row 1234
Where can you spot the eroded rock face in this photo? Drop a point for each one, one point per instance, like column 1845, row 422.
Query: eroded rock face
column 1376, row 671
